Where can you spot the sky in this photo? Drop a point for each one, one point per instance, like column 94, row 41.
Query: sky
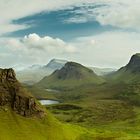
column 101, row 33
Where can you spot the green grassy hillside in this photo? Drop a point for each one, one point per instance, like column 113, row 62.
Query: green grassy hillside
column 127, row 79
column 16, row 127
column 120, row 127
column 72, row 75
column 129, row 73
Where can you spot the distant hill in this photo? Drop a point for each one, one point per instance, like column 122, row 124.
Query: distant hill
column 129, row 73
column 103, row 71
column 55, row 64
column 127, row 79
column 70, row 76
column 35, row 73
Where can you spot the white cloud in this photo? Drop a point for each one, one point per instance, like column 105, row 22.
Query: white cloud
column 32, row 49
column 119, row 13
column 76, row 19
column 47, row 43
column 7, row 27
column 13, row 9
column 109, row 49
column 124, row 14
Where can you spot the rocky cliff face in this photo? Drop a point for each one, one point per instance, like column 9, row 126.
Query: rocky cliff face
column 15, row 96
column 134, row 63
column 128, row 74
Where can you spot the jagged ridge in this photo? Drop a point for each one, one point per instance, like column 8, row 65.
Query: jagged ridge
column 134, row 63
column 129, row 73
column 13, row 94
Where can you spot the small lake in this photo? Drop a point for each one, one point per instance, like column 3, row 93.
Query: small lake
column 48, row 102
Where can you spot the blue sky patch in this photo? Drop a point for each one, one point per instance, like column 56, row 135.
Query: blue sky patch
column 54, row 24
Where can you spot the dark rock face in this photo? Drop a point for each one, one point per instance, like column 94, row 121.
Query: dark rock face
column 7, row 75
column 13, row 94
column 25, row 106
column 134, row 63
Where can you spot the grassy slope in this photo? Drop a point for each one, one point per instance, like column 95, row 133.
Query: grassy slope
column 77, row 76
column 119, row 127
column 52, row 83
column 105, row 116
column 129, row 73
column 15, row 127
column 99, row 104
column 124, row 76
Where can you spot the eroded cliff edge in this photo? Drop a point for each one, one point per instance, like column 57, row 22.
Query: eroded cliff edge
column 14, row 95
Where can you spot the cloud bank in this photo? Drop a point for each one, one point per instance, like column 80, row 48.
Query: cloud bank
column 13, row 9
column 32, row 49
column 109, row 49
column 119, row 13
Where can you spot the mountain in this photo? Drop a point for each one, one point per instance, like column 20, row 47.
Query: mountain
column 127, row 79
column 55, row 64
column 134, row 64
column 103, row 71
column 129, row 73
column 35, row 73
column 70, row 76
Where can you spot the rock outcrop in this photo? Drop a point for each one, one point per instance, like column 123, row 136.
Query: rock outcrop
column 129, row 74
column 14, row 95
column 134, row 63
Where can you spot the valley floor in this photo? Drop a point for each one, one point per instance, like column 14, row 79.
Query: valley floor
column 99, row 113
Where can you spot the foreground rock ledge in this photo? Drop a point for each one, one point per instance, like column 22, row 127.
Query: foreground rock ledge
column 14, row 95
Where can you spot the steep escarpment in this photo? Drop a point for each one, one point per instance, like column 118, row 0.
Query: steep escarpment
column 134, row 64
column 127, row 79
column 129, row 73
column 14, row 95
